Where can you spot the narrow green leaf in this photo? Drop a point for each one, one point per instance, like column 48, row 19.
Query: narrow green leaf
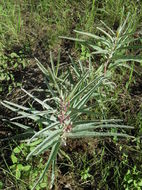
column 54, row 80
column 75, row 67
column 52, row 92
column 107, row 34
column 42, row 68
column 47, row 146
column 17, row 106
column 58, row 63
column 128, row 58
column 89, row 126
column 38, row 100
column 90, row 35
column 96, row 122
column 77, row 86
column 99, row 49
column 44, row 142
column 121, row 28
column 102, row 39
column 22, row 126
column 87, row 96
column 81, row 67
column 24, row 114
column 52, row 64
column 9, row 107
column 52, row 174
column 86, row 134
column 52, row 157
column 53, row 125
column 107, row 27
column 73, row 39
column 100, row 52
column 83, row 90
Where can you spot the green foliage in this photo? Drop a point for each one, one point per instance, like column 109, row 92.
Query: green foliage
column 113, row 11
column 111, row 46
column 1, row 185
column 85, row 169
column 71, row 93
column 90, row 95
column 133, row 179
column 9, row 64
column 84, row 53
column 26, row 171
column 10, row 23
column 16, row 158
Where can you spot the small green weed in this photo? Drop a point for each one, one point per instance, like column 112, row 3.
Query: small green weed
column 9, row 64
column 133, row 179
column 27, row 171
column 1, row 185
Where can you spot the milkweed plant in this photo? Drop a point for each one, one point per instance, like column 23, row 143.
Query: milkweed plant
column 111, row 46
column 70, row 93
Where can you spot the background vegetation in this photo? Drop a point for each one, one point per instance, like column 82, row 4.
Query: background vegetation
column 30, row 29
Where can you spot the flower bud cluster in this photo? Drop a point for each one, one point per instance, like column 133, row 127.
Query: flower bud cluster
column 63, row 117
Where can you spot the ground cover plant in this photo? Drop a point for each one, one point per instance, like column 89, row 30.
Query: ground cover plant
column 94, row 78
